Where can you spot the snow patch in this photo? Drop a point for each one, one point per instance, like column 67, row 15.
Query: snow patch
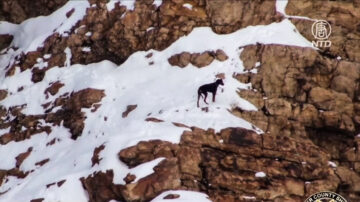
column 185, row 196
column 30, row 34
column 86, row 49
column 157, row 3
column 88, row 34
column 67, row 52
column 332, row 164
column 145, row 169
column 260, row 174
column 187, row 5
column 281, row 7
column 129, row 4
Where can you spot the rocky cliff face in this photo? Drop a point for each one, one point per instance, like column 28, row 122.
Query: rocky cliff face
column 309, row 101
column 17, row 11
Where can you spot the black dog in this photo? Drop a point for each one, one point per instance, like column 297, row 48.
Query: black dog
column 211, row 87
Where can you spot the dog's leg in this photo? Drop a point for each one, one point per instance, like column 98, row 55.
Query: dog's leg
column 205, row 98
column 199, row 94
column 214, row 94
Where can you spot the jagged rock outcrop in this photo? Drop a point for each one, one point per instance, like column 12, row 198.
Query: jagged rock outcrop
column 197, row 59
column 24, row 126
column 16, row 11
column 344, row 20
column 5, row 40
column 115, row 38
column 224, row 165
column 306, row 95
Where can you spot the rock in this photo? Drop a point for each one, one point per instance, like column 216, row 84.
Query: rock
column 153, row 119
column 129, row 109
column 349, row 178
column 5, row 40
column 343, row 20
column 54, row 88
column 129, row 178
column 343, row 84
column 276, row 106
column 100, row 187
column 25, row 10
column 171, row 196
column 42, row 162
column 60, row 183
column 229, row 160
column 197, row 59
column 221, row 55
column 165, row 177
column 3, row 174
column 70, row 112
column 229, row 16
column 325, row 99
column 243, row 78
column 95, row 158
column 202, row 60
column 294, row 187
column 181, row 60
column 22, row 156
column 3, row 94
column 146, row 151
column 115, row 35
column 37, row 200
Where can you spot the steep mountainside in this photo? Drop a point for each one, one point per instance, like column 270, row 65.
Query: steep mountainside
column 98, row 100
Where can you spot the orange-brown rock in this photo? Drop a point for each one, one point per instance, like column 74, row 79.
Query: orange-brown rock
column 5, row 40
column 224, row 164
column 343, row 18
column 115, row 35
column 129, row 109
column 54, row 88
column 95, row 158
column 197, row 59
column 166, row 176
column 100, row 187
column 26, row 9
column 22, row 156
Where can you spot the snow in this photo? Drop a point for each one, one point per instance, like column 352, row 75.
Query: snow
column 260, row 174
column 145, row 169
column 68, row 55
column 30, row 34
column 185, row 196
column 332, row 164
column 47, row 56
column 150, row 28
column 166, row 92
column 129, row 4
column 281, row 7
column 88, row 34
column 187, row 5
column 86, row 49
column 157, row 3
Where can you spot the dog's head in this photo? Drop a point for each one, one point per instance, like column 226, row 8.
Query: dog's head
column 219, row 82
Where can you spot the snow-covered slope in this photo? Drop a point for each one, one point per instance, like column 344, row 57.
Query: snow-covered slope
column 158, row 89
